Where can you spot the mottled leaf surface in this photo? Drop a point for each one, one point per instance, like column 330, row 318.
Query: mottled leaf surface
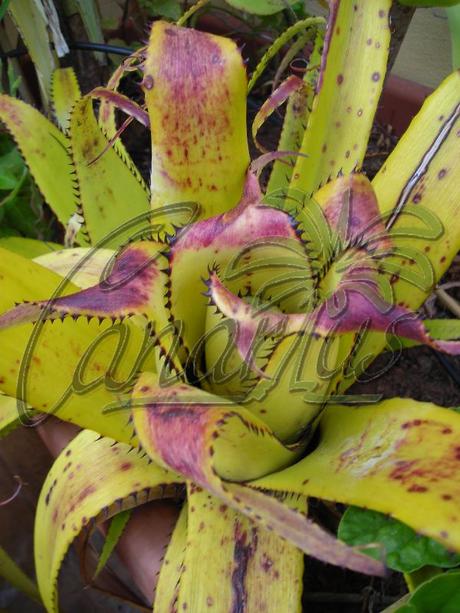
column 195, row 92
column 96, row 361
column 398, row 457
column 246, row 567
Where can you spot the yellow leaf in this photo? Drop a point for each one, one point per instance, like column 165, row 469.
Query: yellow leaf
column 422, row 176
column 348, row 90
column 195, row 91
column 91, row 480
column 45, row 150
column 399, row 457
column 247, row 567
column 65, row 92
column 96, row 363
column 110, row 194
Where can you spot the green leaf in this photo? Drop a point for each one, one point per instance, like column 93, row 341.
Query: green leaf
column 169, row 9
column 3, row 8
column 426, row 3
column 28, row 247
column 11, row 167
column 453, row 17
column 261, row 7
column 14, row 575
column 406, row 551
column 117, row 526
column 105, row 182
column 440, row 594
column 439, row 329
column 32, row 23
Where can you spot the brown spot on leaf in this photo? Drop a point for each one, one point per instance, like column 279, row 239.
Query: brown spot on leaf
column 87, row 491
column 413, row 423
column 442, row 173
column 339, row 79
column 266, row 563
column 419, row 489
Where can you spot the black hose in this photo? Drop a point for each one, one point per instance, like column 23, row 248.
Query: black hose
column 80, row 46
column 451, row 370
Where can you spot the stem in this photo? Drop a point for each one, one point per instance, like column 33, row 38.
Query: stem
column 449, row 302
column 185, row 17
column 14, row 192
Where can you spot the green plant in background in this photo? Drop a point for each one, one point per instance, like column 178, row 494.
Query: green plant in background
column 21, row 206
column 428, row 3
column 216, row 329
column 453, row 15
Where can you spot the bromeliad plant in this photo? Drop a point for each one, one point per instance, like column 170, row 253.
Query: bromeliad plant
column 216, row 329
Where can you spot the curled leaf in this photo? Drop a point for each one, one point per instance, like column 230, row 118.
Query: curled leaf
column 218, row 444
column 399, row 457
column 92, row 479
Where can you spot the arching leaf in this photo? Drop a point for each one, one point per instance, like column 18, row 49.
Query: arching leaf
column 399, row 457
column 91, row 480
column 45, row 150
